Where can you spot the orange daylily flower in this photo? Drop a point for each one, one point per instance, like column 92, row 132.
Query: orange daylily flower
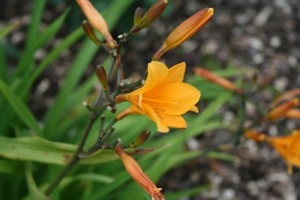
column 216, row 79
column 184, row 31
column 287, row 146
column 163, row 98
column 136, row 172
column 281, row 110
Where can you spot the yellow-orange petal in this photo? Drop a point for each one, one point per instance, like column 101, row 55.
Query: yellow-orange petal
column 294, row 147
column 176, row 73
column 173, row 121
column 183, row 95
column 194, row 109
column 149, row 112
column 157, row 73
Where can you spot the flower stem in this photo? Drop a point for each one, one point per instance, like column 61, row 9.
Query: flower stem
column 75, row 159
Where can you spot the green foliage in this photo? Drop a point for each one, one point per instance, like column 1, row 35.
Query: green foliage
column 48, row 142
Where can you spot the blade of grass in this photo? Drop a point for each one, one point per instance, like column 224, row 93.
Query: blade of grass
column 87, row 177
column 51, row 30
column 20, row 108
column 10, row 167
column 35, row 193
column 3, row 64
column 45, row 151
column 187, row 192
column 27, row 57
column 71, row 39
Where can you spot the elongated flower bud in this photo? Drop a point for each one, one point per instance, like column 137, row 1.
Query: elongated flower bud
column 286, row 96
column 184, row 31
column 136, row 172
column 293, row 114
column 252, row 134
column 96, row 20
column 216, row 79
column 102, row 77
column 152, row 14
column 281, row 110
column 138, row 14
column 90, row 32
column 140, row 139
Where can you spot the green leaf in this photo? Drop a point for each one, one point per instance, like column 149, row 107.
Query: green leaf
column 49, row 33
column 221, row 156
column 20, row 108
column 3, row 64
column 41, row 150
column 35, row 193
column 32, row 33
column 71, row 39
column 187, row 192
column 10, row 167
column 86, row 177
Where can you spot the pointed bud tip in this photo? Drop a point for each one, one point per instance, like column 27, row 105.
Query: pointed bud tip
column 210, row 11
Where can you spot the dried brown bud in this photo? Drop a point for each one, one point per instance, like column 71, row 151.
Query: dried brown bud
column 152, row 14
column 140, row 139
column 138, row 14
column 102, row 77
column 88, row 29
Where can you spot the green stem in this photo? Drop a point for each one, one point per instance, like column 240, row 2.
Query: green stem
column 75, row 157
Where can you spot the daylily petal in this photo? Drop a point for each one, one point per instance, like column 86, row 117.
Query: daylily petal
column 176, row 73
column 149, row 112
column 184, row 96
column 295, row 144
column 174, row 121
column 157, row 73
column 194, row 109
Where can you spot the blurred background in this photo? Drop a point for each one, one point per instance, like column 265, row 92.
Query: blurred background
column 259, row 37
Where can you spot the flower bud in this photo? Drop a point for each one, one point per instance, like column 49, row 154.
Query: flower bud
column 286, row 96
column 281, row 110
column 184, row 31
column 138, row 14
column 140, row 139
column 138, row 175
column 102, row 77
column 293, row 114
column 152, row 14
column 216, row 79
column 251, row 134
column 96, row 20
column 90, row 32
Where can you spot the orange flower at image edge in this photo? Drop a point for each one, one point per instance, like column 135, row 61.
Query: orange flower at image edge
column 287, row 146
column 163, row 98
